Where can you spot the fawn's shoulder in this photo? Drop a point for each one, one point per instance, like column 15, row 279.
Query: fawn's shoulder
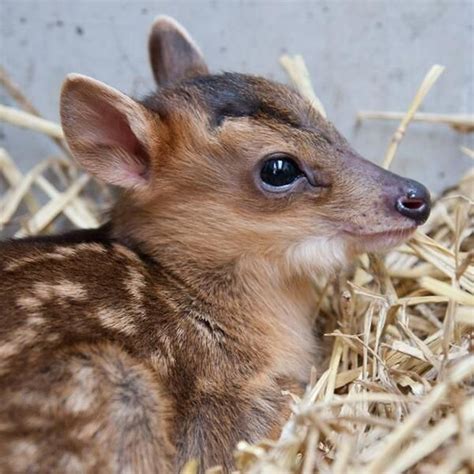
column 78, row 254
column 70, row 275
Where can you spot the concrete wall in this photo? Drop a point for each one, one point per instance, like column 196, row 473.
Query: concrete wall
column 361, row 54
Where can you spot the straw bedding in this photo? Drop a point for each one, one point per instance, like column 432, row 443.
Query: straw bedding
column 396, row 392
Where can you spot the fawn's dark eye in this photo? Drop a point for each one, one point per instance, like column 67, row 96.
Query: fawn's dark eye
column 279, row 171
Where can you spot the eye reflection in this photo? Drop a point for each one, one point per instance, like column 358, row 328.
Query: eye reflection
column 280, row 171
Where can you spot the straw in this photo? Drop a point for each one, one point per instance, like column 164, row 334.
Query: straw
column 299, row 76
column 463, row 123
column 428, row 82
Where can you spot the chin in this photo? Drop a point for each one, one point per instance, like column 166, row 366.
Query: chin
column 322, row 255
column 380, row 241
column 327, row 255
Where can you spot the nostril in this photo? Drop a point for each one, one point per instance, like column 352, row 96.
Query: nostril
column 412, row 203
column 415, row 204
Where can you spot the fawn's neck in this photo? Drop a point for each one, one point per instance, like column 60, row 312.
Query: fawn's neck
column 286, row 304
column 266, row 314
column 250, row 296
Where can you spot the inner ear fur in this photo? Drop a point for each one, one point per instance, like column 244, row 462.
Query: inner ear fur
column 108, row 133
column 174, row 55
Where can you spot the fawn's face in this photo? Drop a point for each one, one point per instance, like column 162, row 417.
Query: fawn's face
column 231, row 165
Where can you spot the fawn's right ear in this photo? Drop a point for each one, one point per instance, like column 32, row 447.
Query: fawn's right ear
column 173, row 53
column 108, row 133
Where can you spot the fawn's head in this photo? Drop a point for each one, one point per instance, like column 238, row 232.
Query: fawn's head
column 222, row 166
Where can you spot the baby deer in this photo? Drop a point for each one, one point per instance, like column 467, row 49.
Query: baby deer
column 170, row 332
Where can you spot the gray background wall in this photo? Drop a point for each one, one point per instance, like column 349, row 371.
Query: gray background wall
column 362, row 54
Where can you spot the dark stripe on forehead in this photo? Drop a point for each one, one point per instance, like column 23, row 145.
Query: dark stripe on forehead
column 229, row 95
column 239, row 95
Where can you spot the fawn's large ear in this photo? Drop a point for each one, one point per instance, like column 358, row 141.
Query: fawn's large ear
column 108, row 133
column 173, row 53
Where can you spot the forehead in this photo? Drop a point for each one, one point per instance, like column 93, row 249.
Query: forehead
column 239, row 95
column 232, row 95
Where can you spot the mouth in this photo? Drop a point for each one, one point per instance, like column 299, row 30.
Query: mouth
column 380, row 241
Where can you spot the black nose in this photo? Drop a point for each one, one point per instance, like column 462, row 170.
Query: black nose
column 415, row 202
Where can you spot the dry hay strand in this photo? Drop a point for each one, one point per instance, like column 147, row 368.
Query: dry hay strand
column 54, row 195
column 461, row 122
column 396, row 395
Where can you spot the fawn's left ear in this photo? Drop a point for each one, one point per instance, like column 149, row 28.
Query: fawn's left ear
column 174, row 55
column 108, row 133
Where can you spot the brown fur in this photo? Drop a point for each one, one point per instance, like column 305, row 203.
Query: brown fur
column 170, row 333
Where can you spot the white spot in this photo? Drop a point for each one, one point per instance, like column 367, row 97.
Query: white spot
column 136, row 283
column 14, row 344
column 63, row 289
column 66, row 251
column 116, row 320
column 29, row 303
column 82, row 396
column 91, row 247
column 35, row 320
